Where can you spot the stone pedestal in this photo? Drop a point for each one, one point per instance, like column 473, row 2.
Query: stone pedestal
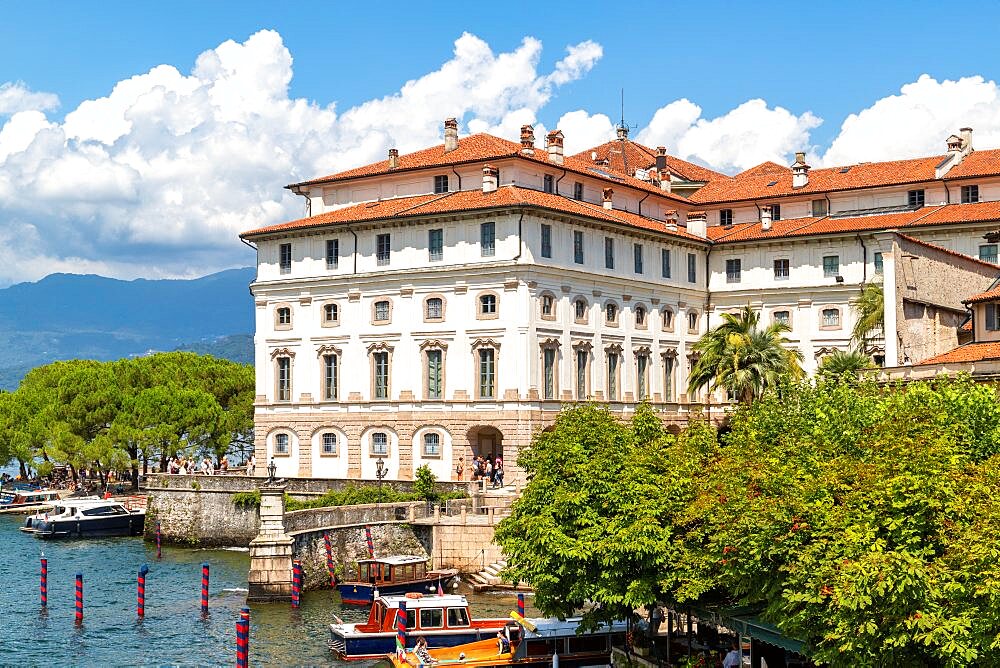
column 270, row 577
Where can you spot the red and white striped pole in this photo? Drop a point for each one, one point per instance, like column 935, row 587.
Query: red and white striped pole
column 243, row 639
column 296, row 583
column 43, row 585
column 141, row 592
column 79, row 598
column 204, row 588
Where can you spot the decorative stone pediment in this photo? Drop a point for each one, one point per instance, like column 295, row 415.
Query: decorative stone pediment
column 434, row 344
column 485, row 343
column 378, row 347
column 614, row 348
column 282, row 352
column 327, row 350
column 550, row 342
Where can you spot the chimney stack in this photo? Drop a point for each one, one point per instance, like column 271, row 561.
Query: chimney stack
column 554, row 145
column 608, row 192
column 697, row 223
column 527, row 139
column 959, row 146
column 670, row 218
column 491, row 178
column 661, row 158
column 966, row 134
column 393, row 158
column 765, row 218
column 450, row 135
column 800, row 171
column 665, row 179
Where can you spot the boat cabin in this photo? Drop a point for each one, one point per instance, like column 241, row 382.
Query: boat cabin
column 19, row 497
column 437, row 612
column 390, row 570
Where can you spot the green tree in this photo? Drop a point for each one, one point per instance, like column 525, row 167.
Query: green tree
column 840, row 362
column 870, row 310
column 742, row 358
column 423, row 483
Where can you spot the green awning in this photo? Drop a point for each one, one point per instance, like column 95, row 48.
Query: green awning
column 744, row 621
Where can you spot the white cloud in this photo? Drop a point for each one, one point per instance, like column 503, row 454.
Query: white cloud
column 918, row 120
column 16, row 96
column 583, row 130
column 748, row 135
column 159, row 176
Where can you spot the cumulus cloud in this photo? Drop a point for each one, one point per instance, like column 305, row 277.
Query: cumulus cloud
column 748, row 135
column 160, row 175
column 918, row 120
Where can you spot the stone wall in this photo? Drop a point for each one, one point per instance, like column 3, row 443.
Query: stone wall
column 298, row 488
column 201, row 517
column 465, row 545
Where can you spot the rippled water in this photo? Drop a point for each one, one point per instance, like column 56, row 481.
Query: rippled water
column 173, row 631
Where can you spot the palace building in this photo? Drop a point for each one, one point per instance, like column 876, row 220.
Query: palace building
column 449, row 302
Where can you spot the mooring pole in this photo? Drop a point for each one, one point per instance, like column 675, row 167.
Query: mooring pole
column 204, row 588
column 43, row 585
column 79, row 598
column 141, row 591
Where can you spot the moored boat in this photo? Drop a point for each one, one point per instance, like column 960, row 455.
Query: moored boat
column 27, row 501
column 442, row 619
column 397, row 574
column 89, row 518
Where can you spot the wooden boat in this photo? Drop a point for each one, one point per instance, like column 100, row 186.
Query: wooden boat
column 527, row 643
column 443, row 619
column 19, row 501
column 398, row 574
column 89, row 518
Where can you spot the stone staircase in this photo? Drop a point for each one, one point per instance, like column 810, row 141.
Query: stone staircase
column 489, row 579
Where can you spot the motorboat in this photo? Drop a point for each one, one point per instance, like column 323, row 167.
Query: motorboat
column 15, row 501
column 397, row 574
column 442, row 619
column 525, row 643
column 89, row 518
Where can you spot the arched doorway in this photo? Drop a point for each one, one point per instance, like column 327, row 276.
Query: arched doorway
column 486, row 441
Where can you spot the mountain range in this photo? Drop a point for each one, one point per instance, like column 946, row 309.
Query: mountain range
column 68, row 316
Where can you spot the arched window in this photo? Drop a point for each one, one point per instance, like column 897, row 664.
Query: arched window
column 548, row 307
column 693, row 322
column 434, row 309
column 331, row 314
column 580, row 310
column 830, row 318
column 668, row 320
column 487, row 306
column 640, row 317
column 283, row 317
column 611, row 314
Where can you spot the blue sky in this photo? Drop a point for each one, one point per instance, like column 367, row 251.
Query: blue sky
column 724, row 84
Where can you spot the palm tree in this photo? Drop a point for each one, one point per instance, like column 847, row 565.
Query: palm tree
column 870, row 308
column 842, row 362
column 743, row 358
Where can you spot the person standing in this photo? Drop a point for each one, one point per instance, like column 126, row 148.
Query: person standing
column 498, row 473
column 734, row 659
column 251, row 465
column 460, row 469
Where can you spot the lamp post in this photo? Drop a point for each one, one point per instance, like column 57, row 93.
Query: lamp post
column 271, row 468
column 380, row 472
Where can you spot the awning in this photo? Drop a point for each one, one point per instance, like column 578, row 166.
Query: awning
column 744, row 620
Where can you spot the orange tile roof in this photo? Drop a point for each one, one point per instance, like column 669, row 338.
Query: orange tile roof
column 472, row 200
column 797, row 227
column 977, row 163
column 948, row 251
column 970, row 352
column 618, row 152
column 756, row 183
column 989, row 295
column 966, row 326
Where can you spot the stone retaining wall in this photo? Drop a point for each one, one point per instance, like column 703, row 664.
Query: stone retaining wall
column 200, row 517
column 300, row 488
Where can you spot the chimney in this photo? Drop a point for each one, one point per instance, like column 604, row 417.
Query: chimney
column 393, row 158
column 593, row 156
column 697, row 223
column 966, row 134
column 670, row 218
column 450, row 135
column 661, row 158
column 765, row 218
column 554, row 145
column 665, row 179
column 608, row 192
column 800, row 171
column 491, row 178
column 527, row 139
column 959, row 146
column 622, row 132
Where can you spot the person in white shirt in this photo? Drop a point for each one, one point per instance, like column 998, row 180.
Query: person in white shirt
column 734, row 659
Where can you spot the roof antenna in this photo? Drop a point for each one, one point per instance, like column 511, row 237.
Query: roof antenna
column 623, row 131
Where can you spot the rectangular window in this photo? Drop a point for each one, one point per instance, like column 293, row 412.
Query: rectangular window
column 487, row 373
column 780, row 270
column 435, row 245
column 668, row 377
column 435, row 374
column 992, row 317
column 692, row 268
column 915, row 198
column 641, row 371
column 548, row 183
column 831, row 265
column 488, row 239
column 380, row 443
column 578, row 191
column 382, row 249
column 612, row 376
column 381, row 311
column 878, row 263
column 734, row 270
column 782, row 317
column 665, row 262
column 329, row 443
column 726, row 217
column 819, row 208
column 546, row 241
column 831, row 317
column 380, row 361
column 581, row 375
column 549, row 365
column 432, row 448
column 332, row 253
column 285, row 258
column 775, row 212
column 637, row 257
column 441, row 183
column 329, row 377
column 578, row 247
column 284, row 379
column 988, row 253
column 457, row 617
column 970, row 194
column 281, row 444
column 609, row 253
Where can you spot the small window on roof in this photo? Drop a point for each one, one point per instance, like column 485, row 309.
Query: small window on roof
column 844, row 170
column 772, row 183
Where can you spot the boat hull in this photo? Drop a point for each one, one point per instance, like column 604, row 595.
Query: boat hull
column 363, row 593
column 366, row 646
column 93, row 527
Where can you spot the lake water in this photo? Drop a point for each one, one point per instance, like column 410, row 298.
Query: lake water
column 173, row 633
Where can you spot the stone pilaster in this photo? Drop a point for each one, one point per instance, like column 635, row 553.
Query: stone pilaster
column 270, row 577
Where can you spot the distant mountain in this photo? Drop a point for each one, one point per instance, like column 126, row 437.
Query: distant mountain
column 66, row 316
column 235, row 347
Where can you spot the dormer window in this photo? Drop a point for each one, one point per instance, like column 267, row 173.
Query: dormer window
column 970, row 194
column 578, row 190
column 992, row 312
column 915, row 198
column 441, row 183
column 548, row 183
column 775, row 212
column 726, row 217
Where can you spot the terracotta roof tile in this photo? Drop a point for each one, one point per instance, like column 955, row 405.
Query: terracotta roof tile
column 471, row 200
column 644, row 157
column 948, row 251
column 977, row 163
column 989, row 295
column 770, row 180
column 970, row 352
